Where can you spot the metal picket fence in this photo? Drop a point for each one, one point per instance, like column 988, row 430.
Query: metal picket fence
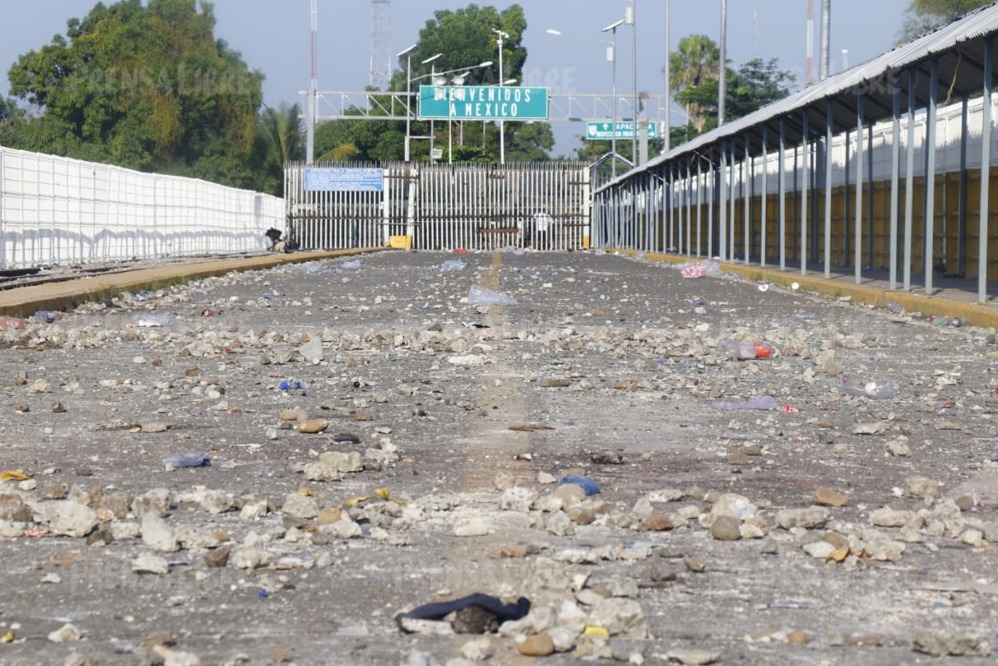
column 443, row 206
column 55, row 210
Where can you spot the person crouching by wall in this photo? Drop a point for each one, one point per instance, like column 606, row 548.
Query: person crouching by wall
column 278, row 244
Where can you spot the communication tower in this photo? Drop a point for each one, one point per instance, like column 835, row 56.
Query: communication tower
column 381, row 43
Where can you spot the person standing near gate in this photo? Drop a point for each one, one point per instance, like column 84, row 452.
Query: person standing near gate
column 542, row 224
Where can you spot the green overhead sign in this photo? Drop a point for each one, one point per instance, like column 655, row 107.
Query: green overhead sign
column 604, row 131
column 483, row 103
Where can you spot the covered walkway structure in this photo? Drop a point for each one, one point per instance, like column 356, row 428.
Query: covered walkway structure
column 875, row 172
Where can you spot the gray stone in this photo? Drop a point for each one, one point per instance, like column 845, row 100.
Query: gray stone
column 248, row 557
column 951, row 644
column 808, row 518
column 67, row 518
column 155, row 501
column 300, row 507
column 693, row 657
column 733, row 506
column 921, row 487
column 559, row 524
column 726, row 528
column 156, row 534
column 311, row 351
column 68, row 633
column 517, row 498
column 471, row 526
column 620, row 617
column 888, row 517
column 147, row 563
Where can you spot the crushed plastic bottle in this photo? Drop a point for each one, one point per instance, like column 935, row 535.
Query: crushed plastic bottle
column 293, row 385
column 478, row 295
column 895, row 308
column 46, row 316
column 766, row 402
column 877, row 389
column 150, row 320
column 744, row 351
column 179, row 461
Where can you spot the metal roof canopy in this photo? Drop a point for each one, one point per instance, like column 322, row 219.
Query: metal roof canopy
column 958, row 48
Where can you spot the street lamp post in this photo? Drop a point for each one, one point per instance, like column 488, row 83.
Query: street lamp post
column 631, row 19
column 501, row 37
column 612, row 54
column 408, row 94
column 611, row 57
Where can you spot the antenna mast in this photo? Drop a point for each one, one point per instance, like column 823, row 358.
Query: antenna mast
column 381, row 43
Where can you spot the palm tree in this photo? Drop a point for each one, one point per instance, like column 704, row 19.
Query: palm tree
column 282, row 128
column 695, row 62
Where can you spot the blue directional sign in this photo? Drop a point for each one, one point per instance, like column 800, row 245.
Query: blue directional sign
column 344, row 180
column 604, row 131
column 483, row 103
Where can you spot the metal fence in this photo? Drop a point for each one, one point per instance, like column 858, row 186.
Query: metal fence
column 443, row 206
column 55, row 210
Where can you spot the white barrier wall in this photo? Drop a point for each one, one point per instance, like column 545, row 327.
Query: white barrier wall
column 55, row 210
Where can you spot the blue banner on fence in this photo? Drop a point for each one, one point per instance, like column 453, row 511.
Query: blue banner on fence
column 344, row 180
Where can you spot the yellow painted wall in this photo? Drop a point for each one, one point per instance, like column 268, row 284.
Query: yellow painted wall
column 946, row 224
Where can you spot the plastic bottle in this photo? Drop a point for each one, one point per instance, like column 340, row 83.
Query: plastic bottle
column 877, row 389
column 46, row 316
column 150, row 320
column 748, row 350
column 293, row 385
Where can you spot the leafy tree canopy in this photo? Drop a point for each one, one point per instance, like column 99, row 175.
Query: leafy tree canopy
column 145, row 87
column 923, row 16
column 464, row 38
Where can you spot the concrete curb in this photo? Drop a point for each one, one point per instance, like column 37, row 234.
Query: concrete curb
column 63, row 296
column 973, row 314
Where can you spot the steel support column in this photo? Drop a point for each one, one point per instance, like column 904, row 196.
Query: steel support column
column 764, row 216
column 783, row 196
column 930, row 175
column 909, row 183
column 986, row 130
column 804, row 185
column 858, row 222
column 895, row 169
column 829, row 114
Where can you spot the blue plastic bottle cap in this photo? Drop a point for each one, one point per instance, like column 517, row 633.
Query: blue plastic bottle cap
column 284, row 386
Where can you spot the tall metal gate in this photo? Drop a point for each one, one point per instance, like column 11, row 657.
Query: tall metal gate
column 543, row 205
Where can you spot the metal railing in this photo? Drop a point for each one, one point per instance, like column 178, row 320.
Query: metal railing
column 442, row 206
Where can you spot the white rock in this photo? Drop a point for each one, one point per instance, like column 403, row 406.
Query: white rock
column 517, row 498
column 175, row 658
column 471, row 526
column 147, row 563
column 887, row 517
column 66, row 634
column 559, row 524
column 819, row 549
column 342, row 529
column 311, row 351
column 301, row 507
column 248, row 557
column 156, row 534
column 733, row 506
column 123, row 530
column 620, row 617
column 479, row 649
column 67, row 518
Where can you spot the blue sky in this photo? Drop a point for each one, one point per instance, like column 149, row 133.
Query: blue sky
column 273, row 37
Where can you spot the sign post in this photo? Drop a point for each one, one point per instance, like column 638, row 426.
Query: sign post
column 483, row 103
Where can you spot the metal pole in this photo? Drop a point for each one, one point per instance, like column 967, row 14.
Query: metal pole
column 895, row 177
column 804, row 185
column 826, row 36
column 502, row 124
column 722, row 221
column 961, row 244
column 634, row 80
column 909, row 182
column 858, row 222
column 783, row 196
column 930, row 174
column 667, row 139
column 983, row 238
column 722, row 75
column 746, row 198
column 764, row 215
column 828, row 188
column 408, row 102
column 616, row 115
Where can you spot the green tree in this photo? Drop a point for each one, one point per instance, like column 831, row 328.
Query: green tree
column 754, row 85
column 145, row 87
column 923, row 16
column 465, row 38
column 695, row 62
column 279, row 140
